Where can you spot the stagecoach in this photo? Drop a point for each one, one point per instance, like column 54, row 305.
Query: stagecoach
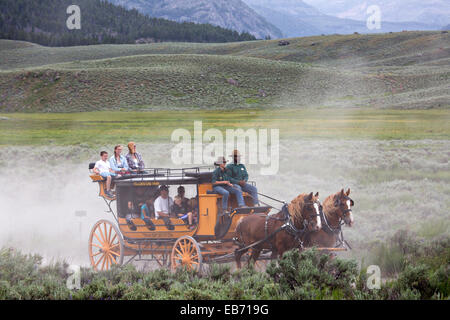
column 211, row 239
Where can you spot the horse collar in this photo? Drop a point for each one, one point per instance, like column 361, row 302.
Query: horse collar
column 329, row 229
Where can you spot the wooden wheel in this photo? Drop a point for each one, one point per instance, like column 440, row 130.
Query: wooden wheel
column 186, row 253
column 105, row 246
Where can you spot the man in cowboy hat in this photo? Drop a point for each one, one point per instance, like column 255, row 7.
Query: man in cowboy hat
column 238, row 175
column 222, row 185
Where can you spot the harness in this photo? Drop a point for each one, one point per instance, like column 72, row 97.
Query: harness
column 287, row 226
column 337, row 232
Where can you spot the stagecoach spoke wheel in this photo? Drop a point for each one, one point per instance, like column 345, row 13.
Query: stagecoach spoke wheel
column 186, row 253
column 105, row 246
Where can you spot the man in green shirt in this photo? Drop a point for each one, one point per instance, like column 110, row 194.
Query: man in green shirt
column 222, row 185
column 238, row 175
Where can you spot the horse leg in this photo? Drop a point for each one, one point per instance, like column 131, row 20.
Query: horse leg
column 255, row 255
column 237, row 255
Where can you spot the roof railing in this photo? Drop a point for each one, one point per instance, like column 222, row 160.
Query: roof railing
column 166, row 173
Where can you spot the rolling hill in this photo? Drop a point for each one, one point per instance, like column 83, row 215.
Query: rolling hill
column 398, row 70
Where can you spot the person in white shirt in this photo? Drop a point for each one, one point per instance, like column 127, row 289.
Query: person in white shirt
column 162, row 206
column 103, row 168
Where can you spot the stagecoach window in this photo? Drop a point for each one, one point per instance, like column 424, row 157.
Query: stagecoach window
column 134, row 195
column 138, row 195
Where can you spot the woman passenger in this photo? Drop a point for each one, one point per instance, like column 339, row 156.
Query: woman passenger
column 118, row 162
column 134, row 159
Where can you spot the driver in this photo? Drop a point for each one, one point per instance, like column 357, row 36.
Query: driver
column 238, row 175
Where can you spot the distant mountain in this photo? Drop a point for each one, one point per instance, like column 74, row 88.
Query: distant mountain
column 297, row 18
column 434, row 12
column 230, row 14
column 44, row 22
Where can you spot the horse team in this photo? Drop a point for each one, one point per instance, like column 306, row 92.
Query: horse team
column 304, row 222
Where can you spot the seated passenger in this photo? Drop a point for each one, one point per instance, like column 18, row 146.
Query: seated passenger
column 118, row 162
column 181, row 193
column 103, row 168
column 147, row 213
column 238, row 175
column 148, row 209
column 134, row 159
column 222, row 185
column 162, row 206
column 193, row 207
column 182, row 212
column 132, row 213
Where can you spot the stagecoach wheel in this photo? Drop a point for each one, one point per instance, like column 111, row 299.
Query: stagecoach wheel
column 186, row 253
column 105, row 246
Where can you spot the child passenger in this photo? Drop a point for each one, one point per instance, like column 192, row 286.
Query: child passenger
column 103, row 168
column 182, row 212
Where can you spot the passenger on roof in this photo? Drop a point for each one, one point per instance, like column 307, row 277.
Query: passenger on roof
column 118, row 162
column 222, row 185
column 134, row 159
column 103, row 168
column 238, row 175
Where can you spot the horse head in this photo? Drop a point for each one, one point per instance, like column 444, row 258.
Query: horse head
column 305, row 211
column 344, row 205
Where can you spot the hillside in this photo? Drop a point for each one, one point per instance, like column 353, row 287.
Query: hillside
column 101, row 22
column 399, row 70
column 230, row 14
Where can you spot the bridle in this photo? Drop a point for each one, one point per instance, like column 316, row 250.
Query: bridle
column 337, row 231
column 338, row 203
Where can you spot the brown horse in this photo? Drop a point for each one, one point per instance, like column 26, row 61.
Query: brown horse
column 337, row 208
column 283, row 231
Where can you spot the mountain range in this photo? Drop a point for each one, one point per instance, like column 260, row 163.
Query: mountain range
column 298, row 18
column 230, row 14
column 436, row 12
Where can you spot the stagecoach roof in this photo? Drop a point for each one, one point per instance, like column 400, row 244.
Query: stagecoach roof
column 162, row 176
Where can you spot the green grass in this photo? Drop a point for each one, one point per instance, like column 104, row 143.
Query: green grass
column 99, row 128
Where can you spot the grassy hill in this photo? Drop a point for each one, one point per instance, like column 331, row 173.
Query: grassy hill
column 398, row 70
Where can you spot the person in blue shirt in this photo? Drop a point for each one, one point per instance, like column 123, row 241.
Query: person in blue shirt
column 238, row 175
column 147, row 213
column 222, row 185
column 118, row 162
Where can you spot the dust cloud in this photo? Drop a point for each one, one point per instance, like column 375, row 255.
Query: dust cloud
column 389, row 182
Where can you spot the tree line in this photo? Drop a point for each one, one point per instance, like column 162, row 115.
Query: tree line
column 44, row 22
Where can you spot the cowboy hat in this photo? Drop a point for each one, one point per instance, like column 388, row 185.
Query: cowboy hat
column 220, row 160
column 163, row 187
column 235, row 153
